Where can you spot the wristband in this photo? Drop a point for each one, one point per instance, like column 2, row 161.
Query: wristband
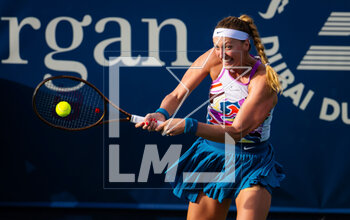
column 190, row 126
column 163, row 112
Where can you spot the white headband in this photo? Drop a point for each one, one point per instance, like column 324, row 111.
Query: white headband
column 231, row 33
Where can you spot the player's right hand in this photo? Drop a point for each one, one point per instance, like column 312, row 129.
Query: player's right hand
column 150, row 122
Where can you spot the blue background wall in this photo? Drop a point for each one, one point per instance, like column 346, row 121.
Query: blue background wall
column 42, row 166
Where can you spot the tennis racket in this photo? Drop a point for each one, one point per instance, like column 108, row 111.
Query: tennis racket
column 88, row 104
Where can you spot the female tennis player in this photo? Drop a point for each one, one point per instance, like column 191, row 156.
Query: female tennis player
column 243, row 102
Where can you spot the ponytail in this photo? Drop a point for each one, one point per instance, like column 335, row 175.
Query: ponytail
column 272, row 77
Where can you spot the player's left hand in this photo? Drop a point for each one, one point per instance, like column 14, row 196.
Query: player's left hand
column 172, row 127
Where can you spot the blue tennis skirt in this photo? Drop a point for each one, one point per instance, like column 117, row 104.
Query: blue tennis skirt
column 207, row 167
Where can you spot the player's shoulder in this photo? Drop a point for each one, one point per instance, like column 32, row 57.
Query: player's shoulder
column 260, row 72
column 207, row 60
column 259, row 78
column 210, row 58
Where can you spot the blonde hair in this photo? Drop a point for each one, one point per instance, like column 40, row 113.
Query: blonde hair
column 246, row 24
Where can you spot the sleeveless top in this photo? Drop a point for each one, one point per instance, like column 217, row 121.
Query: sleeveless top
column 226, row 96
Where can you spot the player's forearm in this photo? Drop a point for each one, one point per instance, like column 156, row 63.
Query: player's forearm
column 217, row 132
column 170, row 103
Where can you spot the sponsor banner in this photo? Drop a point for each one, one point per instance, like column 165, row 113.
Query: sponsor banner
column 136, row 53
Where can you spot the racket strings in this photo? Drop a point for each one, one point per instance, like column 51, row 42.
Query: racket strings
column 87, row 105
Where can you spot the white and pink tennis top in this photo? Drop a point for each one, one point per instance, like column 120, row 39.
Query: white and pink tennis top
column 227, row 95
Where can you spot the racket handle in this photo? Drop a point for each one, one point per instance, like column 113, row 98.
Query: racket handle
column 137, row 119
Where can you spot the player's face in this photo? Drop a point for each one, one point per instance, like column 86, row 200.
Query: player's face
column 230, row 51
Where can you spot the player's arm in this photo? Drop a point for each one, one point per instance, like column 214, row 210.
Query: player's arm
column 252, row 113
column 192, row 78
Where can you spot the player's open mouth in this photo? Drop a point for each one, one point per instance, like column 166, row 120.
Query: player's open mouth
column 227, row 60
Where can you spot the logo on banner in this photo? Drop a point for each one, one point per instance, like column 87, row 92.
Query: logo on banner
column 275, row 6
column 330, row 57
column 318, row 57
column 78, row 30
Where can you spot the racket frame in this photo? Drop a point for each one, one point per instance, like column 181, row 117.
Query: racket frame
column 98, row 122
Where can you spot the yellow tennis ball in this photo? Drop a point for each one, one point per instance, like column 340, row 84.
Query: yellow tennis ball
column 63, row 109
